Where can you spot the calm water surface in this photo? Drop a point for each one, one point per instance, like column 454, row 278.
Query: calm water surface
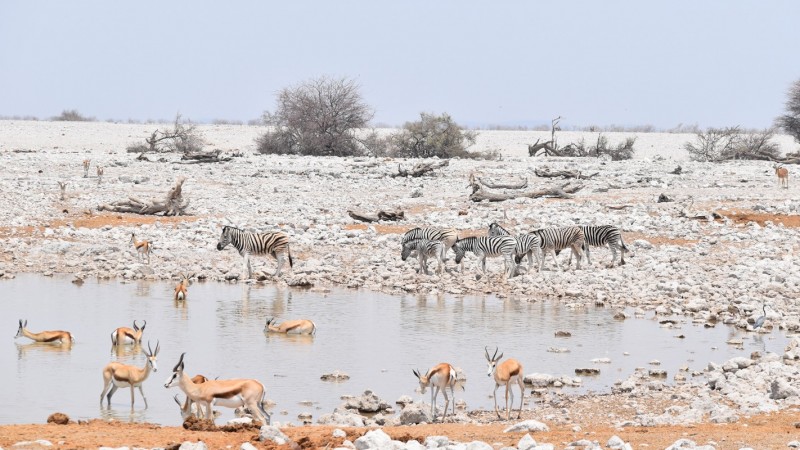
column 377, row 339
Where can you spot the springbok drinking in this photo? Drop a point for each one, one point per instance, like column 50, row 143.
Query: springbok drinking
column 228, row 393
column 439, row 377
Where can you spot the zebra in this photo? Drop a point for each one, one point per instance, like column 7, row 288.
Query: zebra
column 425, row 248
column 484, row 246
column 527, row 244
column 600, row 236
column 553, row 240
column 448, row 236
column 274, row 244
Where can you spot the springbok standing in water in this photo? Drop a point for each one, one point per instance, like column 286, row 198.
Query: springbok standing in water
column 64, row 337
column 505, row 374
column 439, row 377
column 301, row 326
column 121, row 334
column 181, row 288
column 117, row 375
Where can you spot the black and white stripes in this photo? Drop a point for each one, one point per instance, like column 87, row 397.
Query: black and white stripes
column 425, row 249
column 601, row 236
column 274, row 244
column 485, row 246
column 527, row 244
column 557, row 239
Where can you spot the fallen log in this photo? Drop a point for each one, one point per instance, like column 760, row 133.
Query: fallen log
column 536, row 148
column 197, row 157
column 382, row 215
column 547, row 173
column 480, row 194
column 173, row 204
column 420, row 169
column 521, row 184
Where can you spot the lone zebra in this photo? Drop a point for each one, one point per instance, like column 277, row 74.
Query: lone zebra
column 274, row 244
column 527, row 244
column 425, row 249
column 448, row 236
column 484, row 246
column 556, row 239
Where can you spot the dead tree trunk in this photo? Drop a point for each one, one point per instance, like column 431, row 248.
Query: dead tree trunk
column 382, row 215
column 199, row 156
column 536, row 148
column 173, row 204
column 547, row 173
column 420, row 168
column 479, row 193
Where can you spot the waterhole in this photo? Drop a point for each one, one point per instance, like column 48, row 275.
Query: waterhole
column 377, row 339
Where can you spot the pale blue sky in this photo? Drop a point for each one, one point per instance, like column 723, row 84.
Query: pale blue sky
column 713, row 63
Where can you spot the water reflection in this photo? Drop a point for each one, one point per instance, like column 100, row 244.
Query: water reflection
column 376, row 339
column 24, row 350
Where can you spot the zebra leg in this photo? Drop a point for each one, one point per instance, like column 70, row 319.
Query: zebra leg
column 577, row 251
column 613, row 254
column 423, row 263
column 279, row 259
column 247, row 267
column 586, row 250
column 555, row 260
column 482, row 263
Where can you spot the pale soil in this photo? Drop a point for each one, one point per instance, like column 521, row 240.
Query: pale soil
column 769, row 431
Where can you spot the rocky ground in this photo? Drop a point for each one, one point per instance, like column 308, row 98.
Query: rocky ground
column 717, row 252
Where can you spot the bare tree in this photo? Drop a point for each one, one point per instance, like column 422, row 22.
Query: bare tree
column 182, row 138
column 431, row 136
column 318, row 117
column 724, row 144
column 790, row 122
column 714, row 144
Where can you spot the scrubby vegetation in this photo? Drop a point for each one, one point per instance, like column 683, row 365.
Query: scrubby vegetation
column 318, row 117
column 730, row 143
column 790, row 122
column 72, row 115
column 183, row 137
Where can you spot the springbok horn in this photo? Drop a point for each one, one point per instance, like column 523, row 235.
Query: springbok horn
column 496, row 349
column 486, row 349
column 158, row 346
column 149, row 349
column 180, row 361
column 145, row 324
column 177, row 401
column 135, row 327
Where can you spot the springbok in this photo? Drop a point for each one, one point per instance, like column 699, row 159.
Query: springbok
column 62, row 186
column 439, row 377
column 181, row 288
column 117, row 375
column 86, row 167
column 99, row 174
column 186, row 406
column 142, row 247
column 506, row 373
column 783, row 176
column 121, row 334
column 64, row 337
column 228, row 393
column 301, row 326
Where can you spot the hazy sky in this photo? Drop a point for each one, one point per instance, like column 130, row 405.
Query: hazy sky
column 714, row 63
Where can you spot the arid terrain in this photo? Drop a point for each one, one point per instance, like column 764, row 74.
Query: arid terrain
column 722, row 246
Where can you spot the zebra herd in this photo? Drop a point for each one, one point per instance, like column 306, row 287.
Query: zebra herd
column 435, row 242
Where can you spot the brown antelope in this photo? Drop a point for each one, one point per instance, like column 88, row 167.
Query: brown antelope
column 301, row 326
column 505, row 374
column 86, row 167
column 439, row 377
column 181, row 288
column 142, row 247
column 783, row 176
column 64, row 337
column 117, row 375
column 99, row 174
column 228, row 393
column 186, row 406
column 121, row 334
